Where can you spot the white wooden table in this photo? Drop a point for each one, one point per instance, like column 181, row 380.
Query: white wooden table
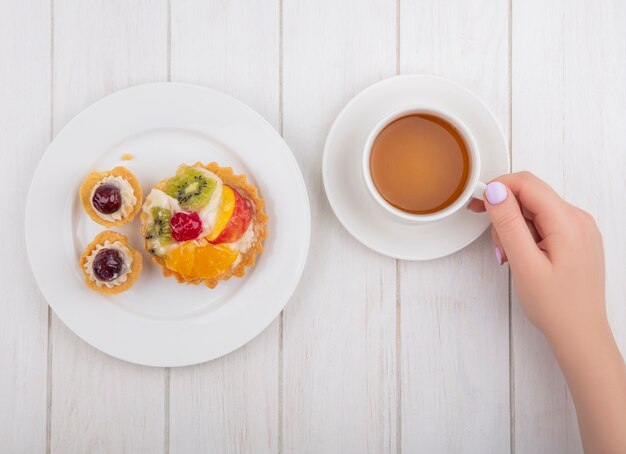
column 371, row 354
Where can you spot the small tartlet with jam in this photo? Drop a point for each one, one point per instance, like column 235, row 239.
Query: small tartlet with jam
column 204, row 225
column 111, row 198
column 110, row 264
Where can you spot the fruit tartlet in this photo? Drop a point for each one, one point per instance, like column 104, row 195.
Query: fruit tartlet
column 111, row 198
column 204, row 225
column 109, row 264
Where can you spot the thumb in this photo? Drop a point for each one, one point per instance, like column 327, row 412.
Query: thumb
column 506, row 216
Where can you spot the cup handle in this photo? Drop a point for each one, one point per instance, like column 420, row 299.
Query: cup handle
column 479, row 190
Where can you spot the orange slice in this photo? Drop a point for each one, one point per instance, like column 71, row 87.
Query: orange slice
column 212, row 260
column 227, row 205
column 181, row 258
column 206, row 261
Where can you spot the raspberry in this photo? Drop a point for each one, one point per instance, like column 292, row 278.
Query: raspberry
column 186, row 226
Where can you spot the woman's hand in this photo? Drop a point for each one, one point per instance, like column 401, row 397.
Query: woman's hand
column 554, row 250
column 556, row 258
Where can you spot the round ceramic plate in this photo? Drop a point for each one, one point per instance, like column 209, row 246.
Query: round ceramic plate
column 345, row 188
column 159, row 322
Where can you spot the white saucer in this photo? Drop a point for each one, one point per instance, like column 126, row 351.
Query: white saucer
column 346, row 191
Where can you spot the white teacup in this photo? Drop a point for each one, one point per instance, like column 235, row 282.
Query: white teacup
column 473, row 187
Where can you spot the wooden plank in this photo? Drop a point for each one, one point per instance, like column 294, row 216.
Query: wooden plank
column 339, row 329
column 594, row 133
column 454, row 311
column 230, row 404
column 540, row 403
column 24, row 134
column 569, row 113
column 101, row 404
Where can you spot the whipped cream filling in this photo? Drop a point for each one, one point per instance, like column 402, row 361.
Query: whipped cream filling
column 160, row 199
column 128, row 197
column 243, row 244
column 126, row 268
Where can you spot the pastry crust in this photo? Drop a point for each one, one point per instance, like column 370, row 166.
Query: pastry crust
column 93, row 178
column 260, row 219
column 109, row 235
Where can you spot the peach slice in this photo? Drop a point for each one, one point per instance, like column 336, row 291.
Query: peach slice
column 238, row 221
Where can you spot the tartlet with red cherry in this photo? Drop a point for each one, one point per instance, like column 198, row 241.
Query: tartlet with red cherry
column 110, row 265
column 111, row 198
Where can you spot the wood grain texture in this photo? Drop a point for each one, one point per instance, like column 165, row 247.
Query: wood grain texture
column 230, row 404
column 454, row 311
column 569, row 111
column 101, row 404
column 24, row 134
column 339, row 329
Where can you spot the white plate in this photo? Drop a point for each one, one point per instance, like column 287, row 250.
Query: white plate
column 159, row 322
column 346, row 190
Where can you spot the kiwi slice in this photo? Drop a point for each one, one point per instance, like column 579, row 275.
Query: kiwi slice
column 191, row 187
column 160, row 232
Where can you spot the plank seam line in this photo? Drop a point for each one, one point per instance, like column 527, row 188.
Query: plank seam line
column 398, row 37
column 169, row 40
column 49, row 384
column 281, row 320
column 398, row 358
column 49, row 311
column 563, row 96
column 166, row 410
column 167, row 371
column 511, row 347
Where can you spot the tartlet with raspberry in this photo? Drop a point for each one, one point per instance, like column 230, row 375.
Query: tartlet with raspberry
column 204, row 225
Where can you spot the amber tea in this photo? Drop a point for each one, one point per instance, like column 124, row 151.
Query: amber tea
column 420, row 163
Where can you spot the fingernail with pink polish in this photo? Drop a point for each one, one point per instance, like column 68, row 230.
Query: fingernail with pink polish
column 499, row 256
column 496, row 192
